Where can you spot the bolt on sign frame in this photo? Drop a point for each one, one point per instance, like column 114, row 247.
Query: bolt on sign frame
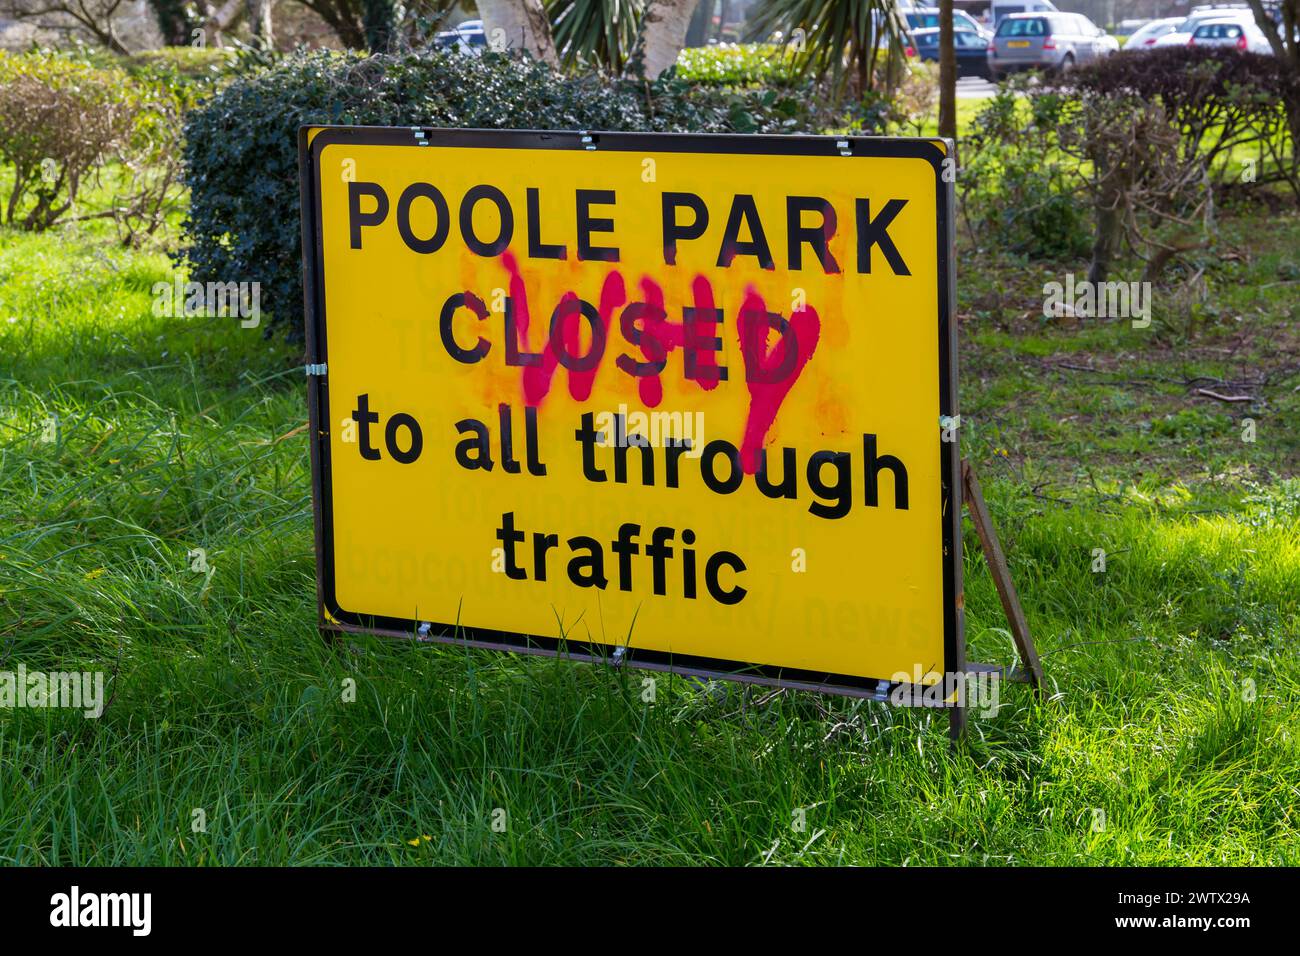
column 793, row 259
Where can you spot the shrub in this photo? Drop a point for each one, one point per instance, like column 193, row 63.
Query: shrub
column 915, row 100
column 1040, row 167
column 1144, row 191
column 736, row 64
column 1018, row 191
column 59, row 122
column 148, row 183
column 1135, row 142
column 190, row 72
column 904, row 99
column 66, row 122
column 1218, row 99
column 241, row 146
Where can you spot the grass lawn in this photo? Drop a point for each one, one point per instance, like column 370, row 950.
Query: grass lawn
column 967, row 109
column 127, row 441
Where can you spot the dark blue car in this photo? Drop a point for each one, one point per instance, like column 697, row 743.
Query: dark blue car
column 971, row 49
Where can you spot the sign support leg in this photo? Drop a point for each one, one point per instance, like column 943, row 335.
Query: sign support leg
column 956, row 722
column 1031, row 669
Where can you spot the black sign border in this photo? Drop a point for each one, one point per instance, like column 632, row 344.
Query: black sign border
column 332, row 618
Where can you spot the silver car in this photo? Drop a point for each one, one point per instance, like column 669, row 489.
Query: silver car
column 1051, row 41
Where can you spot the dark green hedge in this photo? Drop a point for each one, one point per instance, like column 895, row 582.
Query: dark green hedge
column 1188, row 77
column 241, row 146
column 1217, row 97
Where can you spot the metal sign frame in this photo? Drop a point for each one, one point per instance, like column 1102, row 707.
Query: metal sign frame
column 332, row 618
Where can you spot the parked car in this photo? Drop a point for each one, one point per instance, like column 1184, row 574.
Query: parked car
column 1183, row 34
column 1222, row 9
column 467, row 37
column 1105, row 43
column 1147, row 35
column 1127, row 28
column 1235, row 33
column 970, row 46
column 999, row 9
column 925, row 18
column 1054, row 41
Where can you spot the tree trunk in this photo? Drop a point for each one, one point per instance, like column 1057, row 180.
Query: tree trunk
column 380, row 19
column 1269, row 28
column 1282, row 40
column 260, row 24
column 114, row 42
column 864, row 65
column 697, row 32
column 663, row 33
column 1290, row 22
column 947, row 73
column 1105, row 243
column 173, row 22
column 523, row 25
column 217, row 20
column 343, row 17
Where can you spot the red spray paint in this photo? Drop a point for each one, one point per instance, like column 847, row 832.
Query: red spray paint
column 769, row 373
column 765, row 397
column 536, row 379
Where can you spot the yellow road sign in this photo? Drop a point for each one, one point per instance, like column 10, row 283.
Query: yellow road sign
column 687, row 400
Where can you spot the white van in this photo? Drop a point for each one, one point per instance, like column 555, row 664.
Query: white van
column 1004, row 8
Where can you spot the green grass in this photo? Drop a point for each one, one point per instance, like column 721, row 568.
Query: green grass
column 967, row 109
column 1173, row 675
